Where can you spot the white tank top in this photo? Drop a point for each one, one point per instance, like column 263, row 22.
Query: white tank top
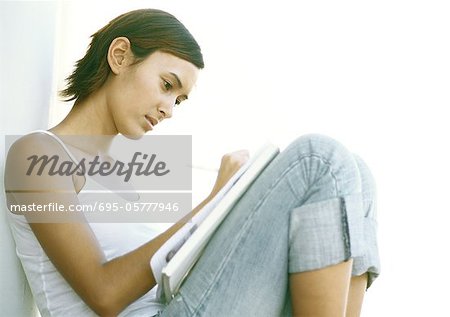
column 53, row 295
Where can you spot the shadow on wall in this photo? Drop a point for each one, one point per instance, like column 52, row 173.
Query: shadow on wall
column 26, row 83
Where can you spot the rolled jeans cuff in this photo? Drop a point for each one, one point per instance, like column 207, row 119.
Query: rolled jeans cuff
column 326, row 233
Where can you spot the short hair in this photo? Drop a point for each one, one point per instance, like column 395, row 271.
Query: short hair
column 148, row 30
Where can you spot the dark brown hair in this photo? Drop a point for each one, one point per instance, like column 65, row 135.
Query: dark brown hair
column 148, row 30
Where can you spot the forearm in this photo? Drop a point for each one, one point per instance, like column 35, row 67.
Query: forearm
column 128, row 277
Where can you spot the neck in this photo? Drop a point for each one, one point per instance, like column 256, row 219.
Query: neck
column 89, row 126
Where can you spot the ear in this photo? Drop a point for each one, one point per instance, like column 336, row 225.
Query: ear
column 119, row 54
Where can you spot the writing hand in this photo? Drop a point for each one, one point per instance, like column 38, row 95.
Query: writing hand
column 230, row 164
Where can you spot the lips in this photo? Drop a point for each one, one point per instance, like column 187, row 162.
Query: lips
column 151, row 120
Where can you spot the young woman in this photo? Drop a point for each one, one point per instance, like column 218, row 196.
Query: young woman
column 300, row 242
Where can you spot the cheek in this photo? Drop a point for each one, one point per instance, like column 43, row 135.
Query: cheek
column 146, row 89
column 137, row 92
column 135, row 95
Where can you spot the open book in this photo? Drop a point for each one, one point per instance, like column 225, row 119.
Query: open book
column 174, row 259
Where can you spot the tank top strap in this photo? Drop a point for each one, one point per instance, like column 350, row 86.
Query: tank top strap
column 92, row 184
column 54, row 136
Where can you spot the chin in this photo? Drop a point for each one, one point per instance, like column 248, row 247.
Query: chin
column 133, row 134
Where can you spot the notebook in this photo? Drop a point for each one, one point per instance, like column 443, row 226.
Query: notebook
column 173, row 261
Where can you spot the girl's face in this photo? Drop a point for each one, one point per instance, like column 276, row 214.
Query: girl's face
column 142, row 95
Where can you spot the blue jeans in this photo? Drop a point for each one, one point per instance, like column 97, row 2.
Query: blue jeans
column 312, row 207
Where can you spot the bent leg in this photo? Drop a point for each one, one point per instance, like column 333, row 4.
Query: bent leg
column 366, row 267
column 369, row 261
column 244, row 268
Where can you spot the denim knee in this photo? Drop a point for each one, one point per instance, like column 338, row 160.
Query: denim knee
column 327, row 228
column 327, row 168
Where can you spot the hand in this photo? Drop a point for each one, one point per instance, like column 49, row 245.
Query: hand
column 230, row 164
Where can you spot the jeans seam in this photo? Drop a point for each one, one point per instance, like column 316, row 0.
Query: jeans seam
column 331, row 171
column 251, row 216
column 185, row 304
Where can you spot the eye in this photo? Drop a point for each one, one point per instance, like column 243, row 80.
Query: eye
column 167, row 85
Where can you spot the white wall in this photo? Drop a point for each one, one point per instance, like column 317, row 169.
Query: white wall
column 27, row 33
column 374, row 75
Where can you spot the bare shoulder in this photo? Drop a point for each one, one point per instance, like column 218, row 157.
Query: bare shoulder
column 20, row 157
column 36, row 142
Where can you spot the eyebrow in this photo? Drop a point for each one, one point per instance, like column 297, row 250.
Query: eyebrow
column 178, row 79
column 179, row 83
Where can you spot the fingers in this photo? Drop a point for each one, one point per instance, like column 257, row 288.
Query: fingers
column 230, row 164
column 235, row 159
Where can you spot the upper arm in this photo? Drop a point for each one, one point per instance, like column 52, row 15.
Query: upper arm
column 68, row 241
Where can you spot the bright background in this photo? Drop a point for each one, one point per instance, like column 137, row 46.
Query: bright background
column 374, row 75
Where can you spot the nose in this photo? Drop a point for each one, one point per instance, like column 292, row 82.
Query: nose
column 166, row 108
